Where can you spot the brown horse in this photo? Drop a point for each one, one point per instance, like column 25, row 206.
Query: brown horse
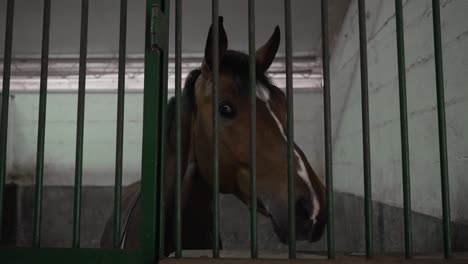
column 234, row 160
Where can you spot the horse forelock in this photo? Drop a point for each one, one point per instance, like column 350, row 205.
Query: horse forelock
column 236, row 64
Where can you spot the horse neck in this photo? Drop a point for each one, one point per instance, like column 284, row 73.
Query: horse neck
column 195, row 193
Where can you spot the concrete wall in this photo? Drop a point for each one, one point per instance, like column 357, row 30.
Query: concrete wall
column 384, row 111
column 99, row 163
column 99, row 136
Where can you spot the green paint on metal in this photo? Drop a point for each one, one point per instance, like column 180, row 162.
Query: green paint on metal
column 214, row 103
column 69, row 255
column 5, row 101
column 162, row 150
column 41, row 125
column 155, row 26
column 327, row 128
column 404, row 128
column 253, row 133
column 151, row 130
column 120, row 123
column 442, row 127
column 80, row 124
column 178, row 94
column 164, row 53
column 365, row 128
column 290, row 132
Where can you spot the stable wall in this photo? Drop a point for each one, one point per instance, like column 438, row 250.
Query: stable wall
column 100, row 136
column 384, row 105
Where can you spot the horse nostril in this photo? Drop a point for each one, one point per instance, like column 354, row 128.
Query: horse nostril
column 303, row 208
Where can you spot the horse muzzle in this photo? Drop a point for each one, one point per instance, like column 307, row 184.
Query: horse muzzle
column 307, row 229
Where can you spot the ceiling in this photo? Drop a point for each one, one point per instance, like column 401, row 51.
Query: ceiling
column 104, row 25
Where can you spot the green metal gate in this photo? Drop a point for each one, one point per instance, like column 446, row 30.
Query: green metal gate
column 155, row 67
column 153, row 160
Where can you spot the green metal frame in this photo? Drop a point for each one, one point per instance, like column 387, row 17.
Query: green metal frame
column 253, row 133
column 404, row 128
column 155, row 97
column 365, row 128
column 215, row 114
column 154, row 134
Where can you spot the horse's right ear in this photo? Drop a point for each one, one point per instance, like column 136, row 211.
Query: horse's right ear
column 207, row 65
column 266, row 53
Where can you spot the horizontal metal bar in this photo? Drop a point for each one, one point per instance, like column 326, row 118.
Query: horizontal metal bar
column 72, row 255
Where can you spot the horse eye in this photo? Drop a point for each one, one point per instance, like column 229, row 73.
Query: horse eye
column 226, row 110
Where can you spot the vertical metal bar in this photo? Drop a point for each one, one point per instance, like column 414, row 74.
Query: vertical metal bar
column 442, row 128
column 163, row 28
column 151, row 101
column 327, row 127
column 5, row 101
column 215, row 205
column 404, row 127
column 120, row 122
column 162, row 149
column 41, row 125
column 253, row 133
column 290, row 133
column 80, row 124
column 178, row 94
column 365, row 127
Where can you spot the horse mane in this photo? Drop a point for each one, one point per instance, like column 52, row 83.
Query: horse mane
column 187, row 99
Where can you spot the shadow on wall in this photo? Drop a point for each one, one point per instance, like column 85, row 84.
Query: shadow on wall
column 234, row 220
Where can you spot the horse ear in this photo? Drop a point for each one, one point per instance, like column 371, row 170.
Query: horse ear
column 266, row 54
column 223, row 44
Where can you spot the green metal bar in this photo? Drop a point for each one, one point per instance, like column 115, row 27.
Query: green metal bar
column 5, row 101
column 162, row 150
column 215, row 95
column 327, row 132
column 151, row 128
column 404, row 128
column 21, row 255
column 439, row 67
column 80, row 124
column 253, row 133
column 365, row 128
column 120, row 122
column 41, row 125
column 178, row 94
column 290, row 132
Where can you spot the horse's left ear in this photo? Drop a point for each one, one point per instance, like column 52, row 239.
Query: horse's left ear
column 266, row 54
column 207, row 65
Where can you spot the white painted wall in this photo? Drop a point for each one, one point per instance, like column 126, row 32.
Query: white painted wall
column 99, row 136
column 384, row 107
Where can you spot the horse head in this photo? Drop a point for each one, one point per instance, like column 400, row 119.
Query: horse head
column 271, row 140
